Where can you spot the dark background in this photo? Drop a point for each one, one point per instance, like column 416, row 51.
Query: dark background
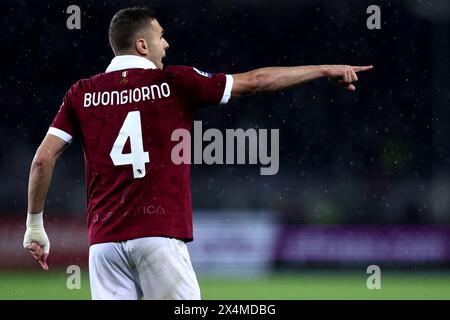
column 375, row 156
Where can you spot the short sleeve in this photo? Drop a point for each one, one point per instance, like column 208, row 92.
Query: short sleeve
column 203, row 88
column 65, row 124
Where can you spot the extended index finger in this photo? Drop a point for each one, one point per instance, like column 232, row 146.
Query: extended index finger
column 43, row 261
column 43, row 265
column 361, row 68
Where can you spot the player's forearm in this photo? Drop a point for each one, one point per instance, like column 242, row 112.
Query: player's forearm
column 39, row 182
column 279, row 78
column 272, row 79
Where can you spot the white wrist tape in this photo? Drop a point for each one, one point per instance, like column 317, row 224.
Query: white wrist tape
column 36, row 232
column 35, row 219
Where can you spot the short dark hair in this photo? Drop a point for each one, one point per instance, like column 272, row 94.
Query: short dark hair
column 124, row 26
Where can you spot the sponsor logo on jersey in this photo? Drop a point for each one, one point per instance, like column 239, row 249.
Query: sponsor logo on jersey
column 203, row 73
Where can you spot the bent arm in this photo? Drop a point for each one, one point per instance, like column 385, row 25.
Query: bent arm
column 270, row 79
column 42, row 170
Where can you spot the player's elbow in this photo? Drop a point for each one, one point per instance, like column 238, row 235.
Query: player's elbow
column 260, row 83
column 249, row 83
column 42, row 160
column 256, row 84
column 40, row 164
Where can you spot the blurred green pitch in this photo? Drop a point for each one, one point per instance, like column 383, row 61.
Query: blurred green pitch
column 302, row 285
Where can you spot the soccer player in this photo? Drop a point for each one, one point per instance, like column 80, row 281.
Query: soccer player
column 139, row 210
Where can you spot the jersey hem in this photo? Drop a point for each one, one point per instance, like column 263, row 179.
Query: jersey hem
column 125, row 238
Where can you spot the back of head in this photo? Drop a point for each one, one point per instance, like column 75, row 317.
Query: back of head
column 124, row 27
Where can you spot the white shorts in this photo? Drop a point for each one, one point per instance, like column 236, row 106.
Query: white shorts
column 145, row 268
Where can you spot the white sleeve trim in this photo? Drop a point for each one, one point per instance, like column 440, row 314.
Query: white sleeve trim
column 227, row 91
column 60, row 134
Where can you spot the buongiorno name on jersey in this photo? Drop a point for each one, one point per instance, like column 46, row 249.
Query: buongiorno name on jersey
column 111, row 98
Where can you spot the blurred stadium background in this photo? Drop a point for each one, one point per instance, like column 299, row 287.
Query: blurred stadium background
column 364, row 177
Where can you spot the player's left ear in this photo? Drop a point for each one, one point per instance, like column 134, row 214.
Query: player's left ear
column 141, row 46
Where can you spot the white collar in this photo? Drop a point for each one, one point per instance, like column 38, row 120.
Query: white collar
column 129, row 62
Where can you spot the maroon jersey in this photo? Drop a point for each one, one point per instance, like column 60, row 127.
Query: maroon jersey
column 125, row 119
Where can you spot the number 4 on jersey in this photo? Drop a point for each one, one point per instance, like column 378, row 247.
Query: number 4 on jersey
column 137, row 157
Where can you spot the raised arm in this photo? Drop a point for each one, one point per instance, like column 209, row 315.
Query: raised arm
column 272, row 79
column 35, row 239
